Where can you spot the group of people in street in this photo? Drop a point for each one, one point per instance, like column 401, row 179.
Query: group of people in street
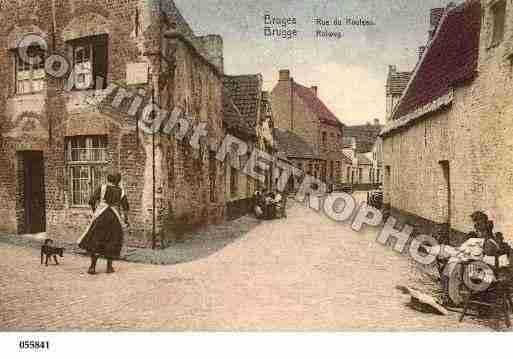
column 109, row 204
column 270, row 205
column 482, row 246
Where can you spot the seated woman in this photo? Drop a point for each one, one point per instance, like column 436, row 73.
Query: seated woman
column 482, row 245
column 258, row 204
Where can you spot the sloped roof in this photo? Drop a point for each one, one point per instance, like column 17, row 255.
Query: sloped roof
column 293, row 145
column 241, row 99
column 397, row 82
column 365, row 135
column 316, row 105
column 450, row 59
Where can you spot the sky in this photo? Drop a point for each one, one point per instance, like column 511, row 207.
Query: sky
column 350, row 72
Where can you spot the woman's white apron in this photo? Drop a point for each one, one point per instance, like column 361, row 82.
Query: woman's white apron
column 102, row 207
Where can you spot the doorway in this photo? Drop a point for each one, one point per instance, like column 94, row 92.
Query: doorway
column 446, row 195
column 34, row 202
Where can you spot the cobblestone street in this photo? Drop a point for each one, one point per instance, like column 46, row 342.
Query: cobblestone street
column 302, row 273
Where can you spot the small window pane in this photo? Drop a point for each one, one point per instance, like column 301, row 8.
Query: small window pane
column 89, row 172
column 38, row 85
column 80, row 185
column 83, row 67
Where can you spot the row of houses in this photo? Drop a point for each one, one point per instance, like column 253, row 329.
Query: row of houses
column 363, row 148
column 449, row 136
column 317, row 142
column 56, row 145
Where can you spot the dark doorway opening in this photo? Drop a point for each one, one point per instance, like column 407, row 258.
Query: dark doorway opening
column 446, row 205
column 447, row 190
column 34, row 202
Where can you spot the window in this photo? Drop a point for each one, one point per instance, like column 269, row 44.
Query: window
column 86, row 163
column 234, row 181
column 499, row 21
column 332, row 170
column 89, row 61
column 324, row 138
column 29, row 77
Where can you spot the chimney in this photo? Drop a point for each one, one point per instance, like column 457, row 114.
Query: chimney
column 376, row 122
column 435, row 16
column 284, row 75
column 422, row 49
column 392, row 69
column 314, row 90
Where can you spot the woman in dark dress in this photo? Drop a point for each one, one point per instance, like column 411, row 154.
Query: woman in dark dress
column 104, row 237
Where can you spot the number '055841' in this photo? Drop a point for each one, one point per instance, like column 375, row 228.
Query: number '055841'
column 34, row 345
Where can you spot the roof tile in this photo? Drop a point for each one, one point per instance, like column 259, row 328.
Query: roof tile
column 241, row 98
column 316, row 105
column 293, row 145
column 397, row 82
column 450, row 60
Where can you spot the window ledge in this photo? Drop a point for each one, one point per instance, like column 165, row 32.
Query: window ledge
column 81, row 163
column 91, row 89
column 26, row 94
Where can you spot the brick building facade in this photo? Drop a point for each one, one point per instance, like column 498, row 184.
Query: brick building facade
column 248, row 117
column 299, row 110
column 55, row 137
column 447, row 150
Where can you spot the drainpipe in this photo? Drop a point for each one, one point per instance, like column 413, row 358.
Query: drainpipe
column 54, row 47
column 153, row 233
column 292, row 104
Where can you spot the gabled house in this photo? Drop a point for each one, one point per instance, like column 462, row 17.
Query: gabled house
column 447, row 149
column 56, row 146
column 299, row 110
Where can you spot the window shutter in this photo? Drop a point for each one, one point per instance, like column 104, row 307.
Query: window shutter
column 101, row 58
